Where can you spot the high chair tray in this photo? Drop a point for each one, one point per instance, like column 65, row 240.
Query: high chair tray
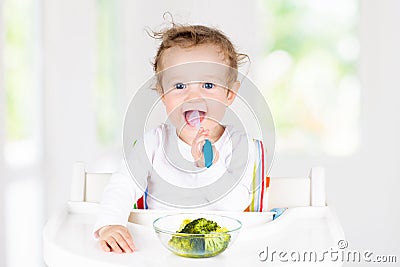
column 68, row 240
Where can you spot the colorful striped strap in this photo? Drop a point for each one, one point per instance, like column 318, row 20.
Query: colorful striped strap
column 141, row 203
column 260, row 182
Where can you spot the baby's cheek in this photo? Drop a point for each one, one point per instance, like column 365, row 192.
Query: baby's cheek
column 175, row 117
column 216, row 109
column 216, row 114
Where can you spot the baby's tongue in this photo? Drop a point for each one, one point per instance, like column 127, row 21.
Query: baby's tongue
column 193, row 118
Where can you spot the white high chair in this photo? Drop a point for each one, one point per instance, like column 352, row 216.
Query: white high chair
column 308, row 225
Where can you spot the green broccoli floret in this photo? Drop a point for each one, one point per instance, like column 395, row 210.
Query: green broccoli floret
column 216, row 243
column 206, row 243
column 187, row 245
column 200, row 226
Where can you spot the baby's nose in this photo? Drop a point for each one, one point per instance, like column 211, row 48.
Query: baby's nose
column 193, row 90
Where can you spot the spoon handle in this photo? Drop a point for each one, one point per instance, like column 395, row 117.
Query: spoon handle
column 208, row 154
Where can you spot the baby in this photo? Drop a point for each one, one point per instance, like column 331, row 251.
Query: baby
column 196, row 68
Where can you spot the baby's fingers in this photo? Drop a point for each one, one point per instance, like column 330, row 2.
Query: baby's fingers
column 113, row 244
column 200, row 138
column 128, row 238
column 201, row 133
column 123, row 243
column 104, row 246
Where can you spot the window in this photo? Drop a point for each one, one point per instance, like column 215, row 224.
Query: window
column 22, row 193
column 309, row 74
column 108, row 108
column 21, row 82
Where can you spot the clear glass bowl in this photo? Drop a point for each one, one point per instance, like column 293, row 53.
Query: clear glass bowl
column 196, row 245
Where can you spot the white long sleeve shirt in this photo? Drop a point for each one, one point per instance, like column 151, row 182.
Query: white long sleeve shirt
column 163, row 164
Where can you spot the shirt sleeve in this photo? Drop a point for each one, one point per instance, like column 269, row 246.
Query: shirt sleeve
column 125, row 187
column 118, row 199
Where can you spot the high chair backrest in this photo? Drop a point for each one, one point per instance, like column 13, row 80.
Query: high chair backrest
column 283, row 191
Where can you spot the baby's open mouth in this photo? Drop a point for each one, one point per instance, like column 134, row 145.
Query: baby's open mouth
column 194, row 117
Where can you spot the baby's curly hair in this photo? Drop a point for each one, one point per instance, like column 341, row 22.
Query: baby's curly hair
column 186, row 36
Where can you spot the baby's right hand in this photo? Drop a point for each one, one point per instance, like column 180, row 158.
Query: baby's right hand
column 116, row 238
column 197, row 148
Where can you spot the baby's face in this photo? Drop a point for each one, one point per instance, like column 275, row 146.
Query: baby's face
column 195, row 81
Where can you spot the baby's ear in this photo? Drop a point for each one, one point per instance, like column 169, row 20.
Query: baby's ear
column 232, row 92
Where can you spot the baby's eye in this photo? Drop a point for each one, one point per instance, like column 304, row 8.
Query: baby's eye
column 208, row 85
column 180, row 86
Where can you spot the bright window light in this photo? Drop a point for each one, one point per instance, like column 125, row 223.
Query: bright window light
column 20, row 57
column 309, row 75
column 108, row 108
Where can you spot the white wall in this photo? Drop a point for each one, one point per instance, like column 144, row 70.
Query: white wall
column 378, row 165
column 69, row 69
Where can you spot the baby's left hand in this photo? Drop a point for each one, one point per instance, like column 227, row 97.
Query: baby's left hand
column 197, row 148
